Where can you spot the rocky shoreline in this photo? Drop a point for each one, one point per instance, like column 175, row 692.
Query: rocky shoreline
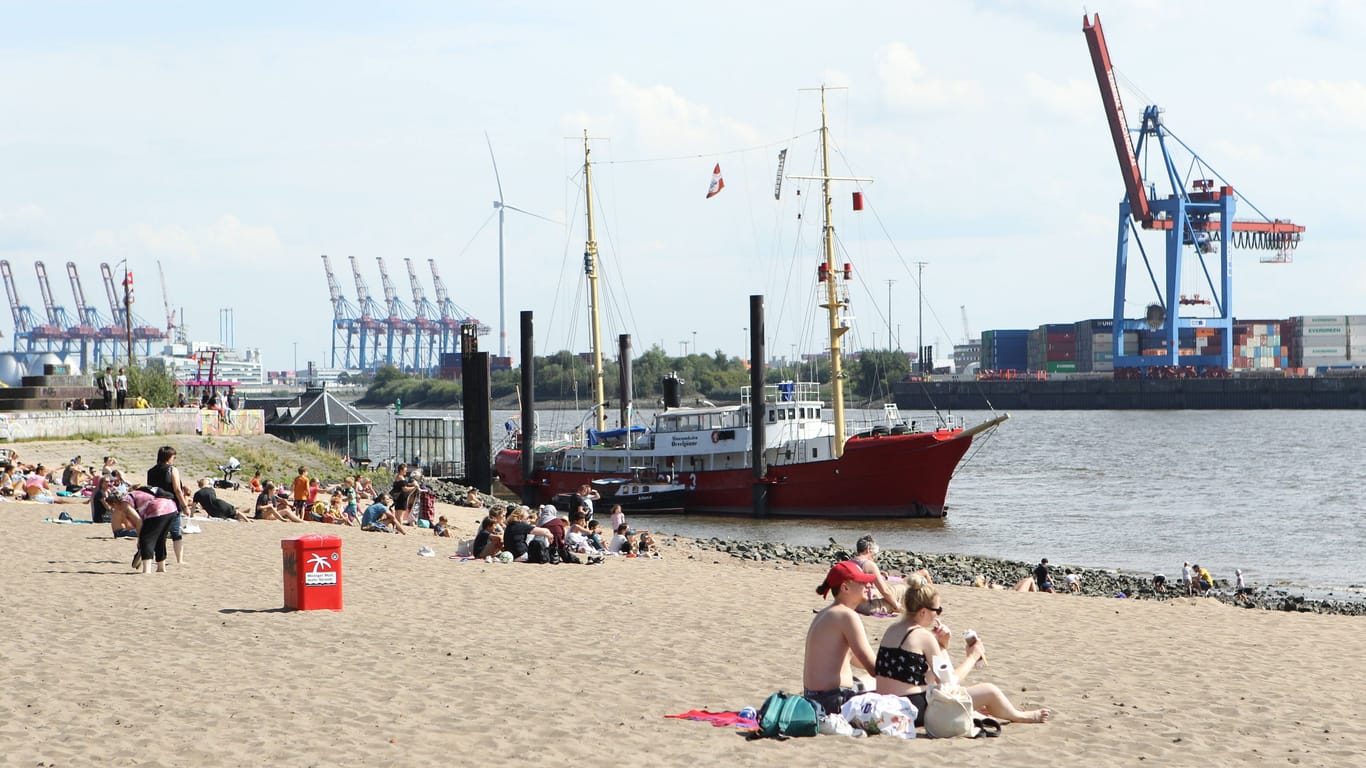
column 963, row 569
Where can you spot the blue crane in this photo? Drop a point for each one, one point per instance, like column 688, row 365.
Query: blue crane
column 1197, row 213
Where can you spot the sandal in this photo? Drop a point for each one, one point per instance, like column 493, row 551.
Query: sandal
column 137, row 561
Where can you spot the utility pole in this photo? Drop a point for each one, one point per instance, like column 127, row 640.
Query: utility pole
column 920, row 331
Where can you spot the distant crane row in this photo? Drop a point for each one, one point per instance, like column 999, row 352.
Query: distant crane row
column 367, row 335
column 97, row 339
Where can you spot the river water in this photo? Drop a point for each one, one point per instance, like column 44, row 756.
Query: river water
column 1276, row 493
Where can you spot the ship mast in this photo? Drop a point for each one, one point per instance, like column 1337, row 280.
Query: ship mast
column 835, row 299
column 590, row 268
column 832, row 304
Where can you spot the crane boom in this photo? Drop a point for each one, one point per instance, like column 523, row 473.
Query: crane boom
column 116, row 308
column 49, row 306
column 418, row 298
column 20, row 321
column 1119, row 129
column 441, row 296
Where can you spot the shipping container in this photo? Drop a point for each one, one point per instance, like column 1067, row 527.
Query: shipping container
column 1316, row 331
column 1060, row 366
column 1307, row 321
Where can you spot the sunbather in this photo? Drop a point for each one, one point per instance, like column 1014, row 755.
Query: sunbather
column 836, row 634
column 904, row 659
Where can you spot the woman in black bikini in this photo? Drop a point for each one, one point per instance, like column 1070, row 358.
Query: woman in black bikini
column 903, row 666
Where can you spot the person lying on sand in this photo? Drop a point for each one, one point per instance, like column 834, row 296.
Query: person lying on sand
column 908, row 647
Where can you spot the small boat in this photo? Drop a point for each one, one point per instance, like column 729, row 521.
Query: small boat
column 706, row 451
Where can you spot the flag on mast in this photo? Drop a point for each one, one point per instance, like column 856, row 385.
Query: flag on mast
column 717, row 183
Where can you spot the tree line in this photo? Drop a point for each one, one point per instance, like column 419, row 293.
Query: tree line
column 566, row 376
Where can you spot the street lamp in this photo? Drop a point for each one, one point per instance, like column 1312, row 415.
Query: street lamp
column 694, row 342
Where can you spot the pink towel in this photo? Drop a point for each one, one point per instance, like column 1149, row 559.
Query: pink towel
column 719, row 719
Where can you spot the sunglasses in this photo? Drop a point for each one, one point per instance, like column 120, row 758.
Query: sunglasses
column 938, row 611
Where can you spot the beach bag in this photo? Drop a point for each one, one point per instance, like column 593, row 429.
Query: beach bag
column 948, row 712
column 464, row 547
column 538, row 552
column 567, row 555
column 880, row 713
column 784, row 715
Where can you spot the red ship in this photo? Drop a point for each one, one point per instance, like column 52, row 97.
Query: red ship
column 810, row 468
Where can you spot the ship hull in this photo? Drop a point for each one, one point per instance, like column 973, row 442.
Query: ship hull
column 882, row 476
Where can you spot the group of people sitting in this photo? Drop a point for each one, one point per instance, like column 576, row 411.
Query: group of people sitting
column 904, row 662
column 511, row 534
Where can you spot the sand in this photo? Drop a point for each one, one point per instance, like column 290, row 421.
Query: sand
column 434, row 661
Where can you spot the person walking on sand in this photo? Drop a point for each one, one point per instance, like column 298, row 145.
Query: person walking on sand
column 165, row 478
column 1186, row 577
column 836, row 634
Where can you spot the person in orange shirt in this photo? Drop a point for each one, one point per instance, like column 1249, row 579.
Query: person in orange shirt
column 301, row 492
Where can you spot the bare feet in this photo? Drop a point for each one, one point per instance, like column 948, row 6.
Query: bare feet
column 1037, row 716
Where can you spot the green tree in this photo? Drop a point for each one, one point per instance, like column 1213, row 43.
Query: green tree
column 153, row 382
column 876, row 370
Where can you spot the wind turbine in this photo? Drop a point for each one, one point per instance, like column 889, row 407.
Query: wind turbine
column 502, row 208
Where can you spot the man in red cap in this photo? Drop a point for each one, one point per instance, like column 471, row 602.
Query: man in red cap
column 835, row 634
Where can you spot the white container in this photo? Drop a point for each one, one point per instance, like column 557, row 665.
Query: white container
column 1315, row 320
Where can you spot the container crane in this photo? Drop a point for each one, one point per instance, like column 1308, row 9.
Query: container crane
column 399, row 321
column 452, row 316
column 25, row 322
column 369, row 319
column 126, row 325
column 1201, row 216
column 426, row 323
column 88, row 319
column 60, row 324
column 174, row 331
column 344, row 315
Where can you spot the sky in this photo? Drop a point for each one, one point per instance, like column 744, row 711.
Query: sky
column 233, row 145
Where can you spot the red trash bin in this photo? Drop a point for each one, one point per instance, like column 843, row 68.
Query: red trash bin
column 313, row 573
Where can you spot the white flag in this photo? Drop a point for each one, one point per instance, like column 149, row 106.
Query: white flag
column 717, row 183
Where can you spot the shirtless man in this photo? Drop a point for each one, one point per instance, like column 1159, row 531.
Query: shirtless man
column 836, row 634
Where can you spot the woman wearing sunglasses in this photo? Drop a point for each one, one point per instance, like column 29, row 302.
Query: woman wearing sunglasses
column 908, row 647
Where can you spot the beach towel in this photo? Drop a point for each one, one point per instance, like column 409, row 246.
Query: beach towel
column 719, row 719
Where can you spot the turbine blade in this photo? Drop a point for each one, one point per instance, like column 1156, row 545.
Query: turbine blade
column 529, row 213
column 495, row 168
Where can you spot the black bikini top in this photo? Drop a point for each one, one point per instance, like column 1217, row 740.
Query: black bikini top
column 900, row 664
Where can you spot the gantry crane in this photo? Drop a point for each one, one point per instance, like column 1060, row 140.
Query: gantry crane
column 88, row 321
column 369, row 319
column 1197, row 213
column 25, row 322
column 452, row 316
column 344, row 316
column 399, row 320
column 426, row 324
column 60, row 324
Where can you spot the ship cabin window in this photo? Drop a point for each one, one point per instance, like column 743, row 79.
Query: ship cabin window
column 782, row 414
column 689, row 424
column 815, row 453
column 772, row 416
column 668, row 424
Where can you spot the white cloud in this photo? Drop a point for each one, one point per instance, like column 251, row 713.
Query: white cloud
column 1329, row 103
column 666, row 119
column 1074, row 99
column 228, row 237
column 906, row 84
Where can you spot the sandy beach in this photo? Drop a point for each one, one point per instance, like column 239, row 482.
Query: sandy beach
column 434, row 660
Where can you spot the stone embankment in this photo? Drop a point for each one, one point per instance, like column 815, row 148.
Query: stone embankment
column 963, row 570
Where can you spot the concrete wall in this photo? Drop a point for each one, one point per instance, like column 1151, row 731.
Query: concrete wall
column 146, row 421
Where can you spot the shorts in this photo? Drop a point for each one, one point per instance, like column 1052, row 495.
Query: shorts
column 832, row 701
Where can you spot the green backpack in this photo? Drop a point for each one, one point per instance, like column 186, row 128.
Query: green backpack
column 786, row 714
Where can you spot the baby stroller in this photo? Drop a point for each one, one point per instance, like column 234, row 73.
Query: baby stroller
column 229, row 470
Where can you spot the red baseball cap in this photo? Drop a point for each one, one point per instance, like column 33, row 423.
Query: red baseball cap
column 847, row 571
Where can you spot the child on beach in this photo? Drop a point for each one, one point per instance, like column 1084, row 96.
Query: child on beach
column 621, row 543
column 646, row 547
column 441, row 528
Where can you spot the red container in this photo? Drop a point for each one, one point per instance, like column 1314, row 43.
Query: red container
column 313, row 573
